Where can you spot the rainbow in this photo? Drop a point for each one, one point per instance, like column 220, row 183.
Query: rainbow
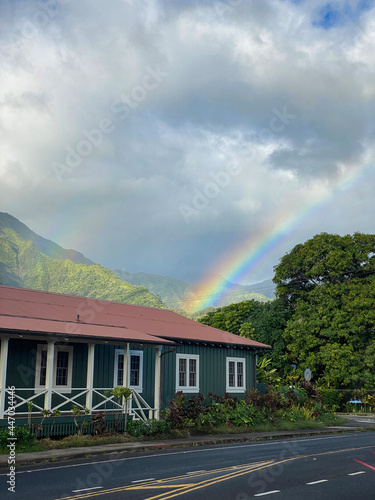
column 240, row 261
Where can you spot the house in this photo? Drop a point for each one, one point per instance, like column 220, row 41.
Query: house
column 59, row 350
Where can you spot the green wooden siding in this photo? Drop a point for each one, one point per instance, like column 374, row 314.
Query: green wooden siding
column 212, row 369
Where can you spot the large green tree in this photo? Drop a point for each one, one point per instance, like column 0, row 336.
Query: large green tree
column 325, row 259
column 263, row 322
column 328, row 284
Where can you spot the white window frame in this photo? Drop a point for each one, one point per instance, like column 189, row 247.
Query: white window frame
column 236, row 387
column 118, row 352
column 58, row 348
column 187, row 388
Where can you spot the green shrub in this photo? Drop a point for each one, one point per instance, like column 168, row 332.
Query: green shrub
column 331, row 399
column 138, row 428
column 184, row 411
column 21, row 434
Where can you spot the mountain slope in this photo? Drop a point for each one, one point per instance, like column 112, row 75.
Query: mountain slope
column 177, row 294
column 45, row 246
column 23, row 265
column 266, row 287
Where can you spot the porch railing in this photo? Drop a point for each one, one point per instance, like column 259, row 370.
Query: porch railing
column 137, row 406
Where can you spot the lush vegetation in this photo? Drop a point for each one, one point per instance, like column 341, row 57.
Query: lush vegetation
column 47, row 247
column 23, row 265
column 263, row 322
column 324, row 316
column 281, row 408
column 284, row 408
column 328, row 284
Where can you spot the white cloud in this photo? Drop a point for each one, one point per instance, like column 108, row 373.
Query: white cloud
column 189, row 88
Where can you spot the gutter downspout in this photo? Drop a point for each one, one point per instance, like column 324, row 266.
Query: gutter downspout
column 161, row 372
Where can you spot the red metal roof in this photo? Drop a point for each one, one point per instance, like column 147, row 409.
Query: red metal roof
column 36, row 311
column 15, row 324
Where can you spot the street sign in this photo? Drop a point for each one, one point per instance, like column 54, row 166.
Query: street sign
column 307, row 375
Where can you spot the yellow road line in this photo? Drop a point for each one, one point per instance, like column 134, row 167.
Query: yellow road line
column 158, row 482
column 210, row 482
column 248, row 468
column 205, row 484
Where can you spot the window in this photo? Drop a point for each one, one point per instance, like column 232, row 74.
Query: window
column 187, row 372
column 236, row 375
column 135, row 369
column 62, row 367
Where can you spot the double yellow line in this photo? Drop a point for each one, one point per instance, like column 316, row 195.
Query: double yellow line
column 180, row 489
column 159, row 484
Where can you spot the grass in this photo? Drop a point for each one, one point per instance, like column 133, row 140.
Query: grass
column 83, row 441
column 281, row 425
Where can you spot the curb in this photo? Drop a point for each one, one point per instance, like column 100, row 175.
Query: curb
column 58, row 455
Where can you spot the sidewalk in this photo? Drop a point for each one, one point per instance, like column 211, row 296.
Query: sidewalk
column 105, row 450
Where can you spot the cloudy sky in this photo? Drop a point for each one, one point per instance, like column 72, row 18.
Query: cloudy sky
column 159, row 136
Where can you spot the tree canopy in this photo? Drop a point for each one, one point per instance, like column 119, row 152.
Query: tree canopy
column 324, row 315
column 328, row 284
column 325, row 259
column 263, row 322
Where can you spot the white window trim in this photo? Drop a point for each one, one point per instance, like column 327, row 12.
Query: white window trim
column 236, row 388
column 188, row 389
column 60, row 388
column 138, row 388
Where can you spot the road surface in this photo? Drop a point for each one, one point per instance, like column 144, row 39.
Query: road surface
column 321, row 467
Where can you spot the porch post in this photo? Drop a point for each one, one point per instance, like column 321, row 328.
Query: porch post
column 157, row 382
column 126, row 365
column 90, row 375
column 49, row 374
column 125, row 382
column 3, row 373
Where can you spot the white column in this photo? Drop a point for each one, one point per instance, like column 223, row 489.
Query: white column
column 3, row 373
column 157, row 382
column 126, row 365
column 125, row 378
column 49, row 375
column 90, row 375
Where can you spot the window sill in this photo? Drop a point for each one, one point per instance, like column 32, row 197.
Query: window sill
column 192, row 390
column 61, row 390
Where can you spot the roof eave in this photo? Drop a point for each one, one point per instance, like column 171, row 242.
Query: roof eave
column 32, row 334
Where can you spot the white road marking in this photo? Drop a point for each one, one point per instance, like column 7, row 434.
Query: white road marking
column 356, row 473
column 317, row 482
column 203, row 450
column 144, row 480
column 196, row 471
column 267, row 493
column 87, row 489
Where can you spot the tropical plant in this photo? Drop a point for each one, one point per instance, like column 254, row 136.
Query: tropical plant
column 122, row 394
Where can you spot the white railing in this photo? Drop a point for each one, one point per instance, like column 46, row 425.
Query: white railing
column 137, row 407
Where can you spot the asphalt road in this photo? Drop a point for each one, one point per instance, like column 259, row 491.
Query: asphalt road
column 325, row 467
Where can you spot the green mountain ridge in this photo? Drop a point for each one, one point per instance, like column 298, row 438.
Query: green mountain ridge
column 45, row 246
column 177, row 294
column 23, row 265
column 28, row 260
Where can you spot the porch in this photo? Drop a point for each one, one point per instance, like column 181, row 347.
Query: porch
column 58, row 390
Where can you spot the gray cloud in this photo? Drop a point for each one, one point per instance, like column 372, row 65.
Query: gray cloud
column 118, row 121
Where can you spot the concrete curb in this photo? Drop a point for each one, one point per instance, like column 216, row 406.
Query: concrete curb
column 105, row 450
